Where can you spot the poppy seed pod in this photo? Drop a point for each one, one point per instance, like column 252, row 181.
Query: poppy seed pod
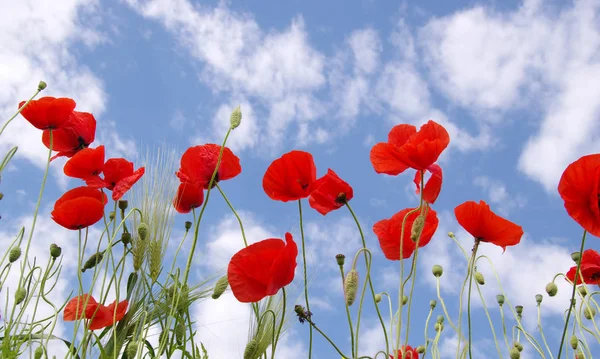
column 479, row 278
column 236, row 118
column 123, row 204
column 20, row 295
column 576, row 257
column 41, row 85
column 438, row 327
column 574, row 342
column 421, row 349
column 417, row 227
column 351, row 286
column 220, row 287
column 519, row 309
column 551, row 289
column 582, row 291
column 589, row 313
column 55, row 251
column 519, row 346
column 143, row 231
column 539, row 298
column 14, row 254
column 125, row 238
column 377, row 298
column 111, row 215
column 340, row 258
column 440, row 319
column 514, row 353
column 92, row 261
column 432, row 304
column 188, row 225
column 437, row 270
column 39, row 351
column 131, row 349
column 500, row 299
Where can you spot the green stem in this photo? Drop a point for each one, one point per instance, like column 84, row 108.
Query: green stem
column 305, row 276
column 234, row 213
column 564, row 333
column 19, row 110
column 327, row 338
column 348, row 314
column 280, row 324
column 470, row 275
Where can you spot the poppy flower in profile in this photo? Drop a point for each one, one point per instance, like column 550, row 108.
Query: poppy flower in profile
column 290, row 177
column 262, row 268
column 329, row 192
column 48, row 112
column 433, row 185
column 79, row 208
column 189, row 196
column 408, row 148
column 73, row 136
column 87, row 165
column 589, row 268
column 579, row 187
column 199, row 162
column 119, row 176
column 407, row 351
column 388, row 232
column 486, row 226
column 100, row 316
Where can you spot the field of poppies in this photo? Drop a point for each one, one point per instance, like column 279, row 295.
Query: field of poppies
column 140, row 286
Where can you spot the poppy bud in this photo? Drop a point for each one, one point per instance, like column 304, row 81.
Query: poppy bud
column 1, row 196
column 582, row 291
column 377, row 298
column 251, row 347
column 14, row 254
column 479, row 278
column 41, row 85
column 143, row 231
column 123, row 204
column 340, row 258
column 220, row 287
column 519, row 346
column 131, row 349
column 417, row 227
column 576, row 256
column 437, row 270
column 589, row 313
column 551, row 289
column 440, row 319
column 92, row 261
column 179, row 332
column 451, row 234
column 438, row 327
column 404, row 300
column 579, row 355
column 236, row 118
column 39, row 351
column 500, row 299
column 519, row 309
column 514, row 353
column 20, row 295
column 111, row 215
column 421, row 349
column 351, row 286
column 55, row 251
column 538, row 298
column 574, row 342
column 432, row 304
column 126, row 238
column 188, row 225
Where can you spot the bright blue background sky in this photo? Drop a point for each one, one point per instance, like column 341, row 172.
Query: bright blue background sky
column 512, row 82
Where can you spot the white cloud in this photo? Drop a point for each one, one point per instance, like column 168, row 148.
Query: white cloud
column 498, row 195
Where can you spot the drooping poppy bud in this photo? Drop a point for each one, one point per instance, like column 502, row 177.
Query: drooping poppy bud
column 574, row 342
column 551, row 289
column 351, row 286
column 14, row 254
column 20, row 295
column 479, row 278
column 92, row 261
column 55, row 251
column 236, row 118
column 432, row 304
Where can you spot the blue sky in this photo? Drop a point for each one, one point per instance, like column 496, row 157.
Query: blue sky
column 511, row 81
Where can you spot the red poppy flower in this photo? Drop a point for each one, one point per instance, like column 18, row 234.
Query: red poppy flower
column 101, row 316
column 486, row 226
column 189, row 196
column 290, row 177
column 409, row 148
column 73, row 136
column 329, row 192
column 199, row 162
column 433, row 186
column 589, row 269
column 579, row 187
column 74, row 310
column 87, row 164
column 388, row 232
column 48, row 112
column 262, row 269
column 108, row 315
column 79, row 208
column 119, row 176
column 410, row 353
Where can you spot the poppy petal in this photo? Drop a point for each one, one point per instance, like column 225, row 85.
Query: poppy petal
column 385, row 159
column 78, row 213
column 198, row 164
column 126, row 183
column 48, row 112
column 74, row 310
column 424, row 148
column 290, row 177
column 189, row 196
column 87, row 163
column 76, row 134
column 329, row 192
column 283, row 267
column 433, row 186
column 106, row 316
column 400, row 134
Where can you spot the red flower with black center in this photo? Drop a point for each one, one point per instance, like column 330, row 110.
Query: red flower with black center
column 100, row 316
column 329, row 192
column 409, row 148
column 486, row 226
column 407, row 351
column 79, row 208
column 433, row 185
column 189, row 196
column 87, row 165
column 119, row 176
column 579, row 187
column 290, row 177
column 589, row 269
column 199, row 162
column 73, row 136
column 388, row 232
column 262, row 268
column 48, row 112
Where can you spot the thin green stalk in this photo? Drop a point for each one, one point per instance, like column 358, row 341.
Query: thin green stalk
column 19, row 111
column 274, row 346
column 305, row 276
column 487, row 314
column 326, row 337
column 362, row 296
column 539, row 315
column 234, row 213
column 470, row 275
column 348, row 315
column 564, row 333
